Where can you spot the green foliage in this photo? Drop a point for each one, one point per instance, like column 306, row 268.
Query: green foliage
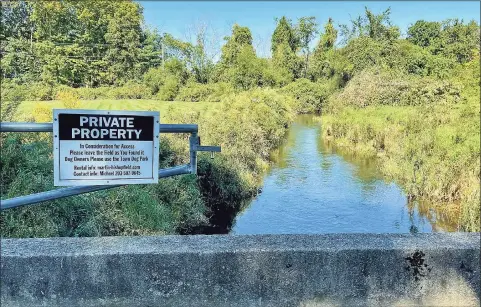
column 460, row 41
column 76, row 43
column 286, row 62
column 425, row 33
column 374, row 87
column 321, row 64
column 247, row 73
column 169, row 89
column 166, row 80
column 310, row 96
column 198, row 61
column 134, row 210
column 306, row 30
column 425, row 132
column 285, row 43
column 401, row 56
column 195, row 92
column 130, row 90
column 377, row 27
column 452, row 38
column 328, row 37
column 240, row 40
column 284, row 33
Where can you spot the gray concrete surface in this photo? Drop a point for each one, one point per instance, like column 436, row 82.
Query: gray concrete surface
column 267, row 270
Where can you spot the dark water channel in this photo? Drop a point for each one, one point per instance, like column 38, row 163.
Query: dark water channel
column 312, row 188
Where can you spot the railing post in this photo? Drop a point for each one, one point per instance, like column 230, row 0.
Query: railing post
column 193, row 142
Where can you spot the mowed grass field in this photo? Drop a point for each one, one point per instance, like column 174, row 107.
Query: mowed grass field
column 27, row 110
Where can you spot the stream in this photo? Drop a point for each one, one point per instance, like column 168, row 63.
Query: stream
column 313, row 188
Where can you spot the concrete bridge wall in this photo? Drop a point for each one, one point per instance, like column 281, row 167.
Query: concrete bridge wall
column 277, row 270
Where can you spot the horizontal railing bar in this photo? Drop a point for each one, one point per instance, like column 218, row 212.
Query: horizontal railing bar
column 48, row 127
column 71, row 191
column 26, row 127
column 207, row 148
column 178, row 128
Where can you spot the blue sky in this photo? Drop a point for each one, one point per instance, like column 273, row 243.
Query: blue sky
column 179, row 18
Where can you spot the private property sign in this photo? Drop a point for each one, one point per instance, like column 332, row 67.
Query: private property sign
column 105, row 147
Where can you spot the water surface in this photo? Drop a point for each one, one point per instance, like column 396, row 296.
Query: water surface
column 312, row 188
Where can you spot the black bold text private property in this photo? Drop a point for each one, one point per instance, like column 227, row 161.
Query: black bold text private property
column 106, row 127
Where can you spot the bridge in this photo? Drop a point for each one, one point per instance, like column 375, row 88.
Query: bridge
column 265, row 270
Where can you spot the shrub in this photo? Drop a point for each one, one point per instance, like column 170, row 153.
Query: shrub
column 130, row 91
column 70, row 99
column 92, row 93
column 196, row 92
column 377, row 87
column 41, row 91
column 11, row 91
column 153, row 79
column 156, row 78
column 309, row 96
column 169, row 89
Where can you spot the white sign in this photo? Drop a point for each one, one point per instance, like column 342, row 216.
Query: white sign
column 105, row 147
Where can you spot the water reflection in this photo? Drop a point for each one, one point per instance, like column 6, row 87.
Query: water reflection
column 314, row 188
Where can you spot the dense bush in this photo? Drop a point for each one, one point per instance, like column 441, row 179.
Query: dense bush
column 169, row 89
column 377, row 87
column 213, row 92
column 11, row 91
column 43, row 92
column 167, row 78
column 129, row 91
column 310, row 96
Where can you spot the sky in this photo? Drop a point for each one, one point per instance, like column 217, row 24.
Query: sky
column 181, row 18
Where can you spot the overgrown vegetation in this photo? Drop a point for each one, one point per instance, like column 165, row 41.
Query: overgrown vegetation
column 425, row 132
column 413, row 101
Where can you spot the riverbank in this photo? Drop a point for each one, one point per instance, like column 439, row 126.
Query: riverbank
column 430, row 148
column 247, row 126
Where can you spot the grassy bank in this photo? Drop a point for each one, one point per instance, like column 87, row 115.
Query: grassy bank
column 247, row 125
column 425, row 132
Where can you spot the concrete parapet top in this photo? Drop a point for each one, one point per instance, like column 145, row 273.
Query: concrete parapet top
column 233, row 243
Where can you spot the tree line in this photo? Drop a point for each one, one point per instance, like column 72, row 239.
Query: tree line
column 100, row 43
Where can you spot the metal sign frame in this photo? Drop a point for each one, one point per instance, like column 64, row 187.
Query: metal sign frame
column 77, row 182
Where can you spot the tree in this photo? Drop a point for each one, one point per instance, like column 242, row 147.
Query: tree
column 284, row 46
column 306, row 30
column 151, row 50
column 123, row 39
column 15, row 20
column 459, row 40
column 241, row 37
column 451, row 38
column 377, row 27
column 248, row 70
column 425, row 33
column 329, row 36
column 320, row 65
column 284, row 34
column 286, row 62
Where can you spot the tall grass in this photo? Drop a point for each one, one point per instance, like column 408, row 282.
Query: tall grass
column 430, row 147
column 247, row 125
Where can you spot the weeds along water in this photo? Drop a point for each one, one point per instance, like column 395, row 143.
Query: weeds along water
column 431, row 149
